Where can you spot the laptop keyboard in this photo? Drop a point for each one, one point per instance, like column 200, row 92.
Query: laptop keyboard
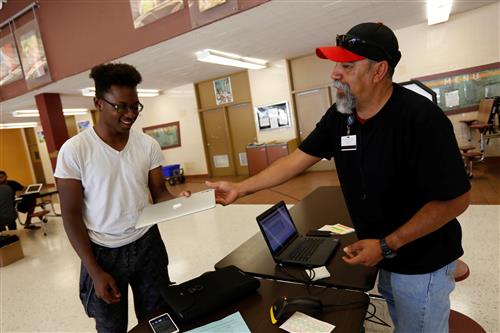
column 305, row 250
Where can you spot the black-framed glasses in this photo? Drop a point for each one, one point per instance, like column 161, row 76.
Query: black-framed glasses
column 349, row 42
column 123, row 108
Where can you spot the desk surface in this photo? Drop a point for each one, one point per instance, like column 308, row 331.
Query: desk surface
column 323, row 206
column 255, row 308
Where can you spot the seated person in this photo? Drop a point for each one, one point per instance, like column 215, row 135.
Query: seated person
column 27, row 204
column 8, row 214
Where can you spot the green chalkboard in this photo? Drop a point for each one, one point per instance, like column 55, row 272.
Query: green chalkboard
column 461, row 90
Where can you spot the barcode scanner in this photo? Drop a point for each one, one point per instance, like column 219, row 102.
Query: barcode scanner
column 284, row 305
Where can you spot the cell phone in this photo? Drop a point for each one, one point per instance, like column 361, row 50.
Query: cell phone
column 163, row 324
column 318, row 233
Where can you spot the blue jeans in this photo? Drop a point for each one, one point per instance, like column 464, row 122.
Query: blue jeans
column 420, row 302
column 142, row 265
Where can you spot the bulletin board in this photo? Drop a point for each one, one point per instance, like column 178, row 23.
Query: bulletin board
column 461, row 90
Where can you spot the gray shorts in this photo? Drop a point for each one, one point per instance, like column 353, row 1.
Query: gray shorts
column 143, row 265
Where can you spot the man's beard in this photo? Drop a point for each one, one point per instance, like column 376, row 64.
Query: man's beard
column 346, row 102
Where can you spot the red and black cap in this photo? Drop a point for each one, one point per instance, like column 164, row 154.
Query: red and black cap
column 374, row 41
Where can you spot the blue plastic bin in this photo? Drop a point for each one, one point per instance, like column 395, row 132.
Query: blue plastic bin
column 170, row 170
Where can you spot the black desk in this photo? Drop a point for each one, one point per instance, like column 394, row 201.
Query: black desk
column 325, row 205
column 255, row 308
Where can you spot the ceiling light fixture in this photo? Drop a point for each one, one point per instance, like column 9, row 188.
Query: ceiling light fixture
column 90, row 92
column 35, row 113
column 18, row 125
column 438, row 11
column 229, row 59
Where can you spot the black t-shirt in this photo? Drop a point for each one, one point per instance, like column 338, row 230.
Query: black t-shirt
column 15, row 186
column 406, row 155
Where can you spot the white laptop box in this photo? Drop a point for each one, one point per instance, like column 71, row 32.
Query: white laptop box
column 172, row 209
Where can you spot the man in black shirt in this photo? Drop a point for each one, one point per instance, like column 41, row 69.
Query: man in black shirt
column 7, row 199
column 401, row 174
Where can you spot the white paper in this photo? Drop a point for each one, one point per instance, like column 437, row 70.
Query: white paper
column 221, row 161
column 451, row 98
column 230, row 324
column 302, row 323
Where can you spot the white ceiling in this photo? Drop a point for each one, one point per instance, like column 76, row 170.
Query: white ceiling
column 279, row 29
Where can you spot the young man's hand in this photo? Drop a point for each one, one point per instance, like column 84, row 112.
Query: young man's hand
column 106, row 288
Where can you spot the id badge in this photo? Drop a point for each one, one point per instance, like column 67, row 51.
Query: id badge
column 348, row 142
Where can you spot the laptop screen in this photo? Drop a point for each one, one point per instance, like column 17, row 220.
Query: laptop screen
column 33, row 188
column 277, row 227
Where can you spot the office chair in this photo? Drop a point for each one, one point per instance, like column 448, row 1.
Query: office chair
column 487, row 129
column 29, row 205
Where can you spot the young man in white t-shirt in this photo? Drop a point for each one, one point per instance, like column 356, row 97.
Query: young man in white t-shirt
column 105, row 176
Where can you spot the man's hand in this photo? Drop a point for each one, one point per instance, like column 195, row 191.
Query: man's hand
column 225, row 192
column 106, row 288
column 365, row 252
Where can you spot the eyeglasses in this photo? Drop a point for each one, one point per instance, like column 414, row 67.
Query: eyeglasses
column 123, row 108
column 349, row 42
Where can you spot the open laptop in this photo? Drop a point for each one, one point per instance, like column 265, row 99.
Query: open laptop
column 172, row 209
column 285, row 243
column 33, row 188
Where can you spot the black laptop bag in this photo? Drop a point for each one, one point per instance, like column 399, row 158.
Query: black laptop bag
column 208, row 292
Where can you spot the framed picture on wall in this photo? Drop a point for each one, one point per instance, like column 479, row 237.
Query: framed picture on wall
column 273, row 116
column 83, row 125
column 10, row 67
column 223, row 91
column 167, row 135
column 148, row 11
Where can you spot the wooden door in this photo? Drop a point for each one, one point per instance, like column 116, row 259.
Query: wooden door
column 242, row 129
column 219, row 150
column 311, row 105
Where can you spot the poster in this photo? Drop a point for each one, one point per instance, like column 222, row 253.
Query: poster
column 10, row 67
column 33, row 60
column 83, row 125
column 273, row 116
column 148, row 11
column 204, row 5
column 223, row 91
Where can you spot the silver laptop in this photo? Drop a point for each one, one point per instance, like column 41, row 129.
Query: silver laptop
column 172, row 209
column 33, row 188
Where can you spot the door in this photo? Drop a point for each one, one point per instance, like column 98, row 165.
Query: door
column 219, row 148
column 242, row 129
column 311, row 105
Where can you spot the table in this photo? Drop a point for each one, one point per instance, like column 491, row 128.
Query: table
column 255, row 308
column 325, row 205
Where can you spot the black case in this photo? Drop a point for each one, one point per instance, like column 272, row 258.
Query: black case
column 208, row 292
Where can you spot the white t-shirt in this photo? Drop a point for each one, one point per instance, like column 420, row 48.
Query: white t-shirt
column 115, row 183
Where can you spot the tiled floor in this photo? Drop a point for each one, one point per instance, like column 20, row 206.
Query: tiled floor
column 40, row 292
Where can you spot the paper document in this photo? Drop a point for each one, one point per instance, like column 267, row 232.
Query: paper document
column 338, row 229
column 302, row 323
column 231, row 324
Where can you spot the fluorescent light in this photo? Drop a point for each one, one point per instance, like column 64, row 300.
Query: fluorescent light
column 35, row 113
column 18, row 125
column 229, row 59
column 90, row 92
column 438, row 11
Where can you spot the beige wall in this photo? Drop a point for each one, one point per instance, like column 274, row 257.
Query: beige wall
column 269, row 86
column 466, row 40
column 14, row 158
column 177, row 104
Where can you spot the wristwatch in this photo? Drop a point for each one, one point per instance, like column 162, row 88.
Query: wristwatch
column 386, row 250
